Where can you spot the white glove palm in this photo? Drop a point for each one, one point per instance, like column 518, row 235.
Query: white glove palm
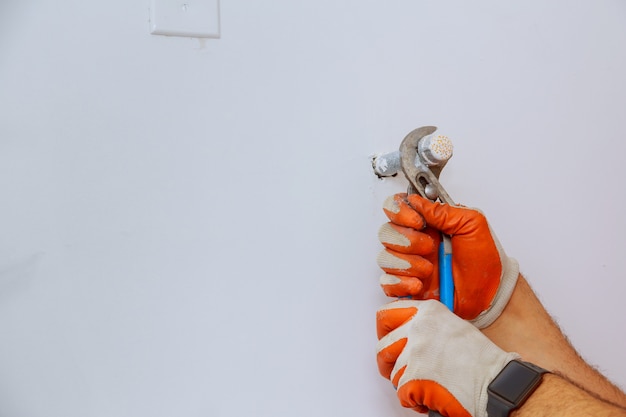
column 436, row 360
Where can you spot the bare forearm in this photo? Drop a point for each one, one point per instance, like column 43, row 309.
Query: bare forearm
column 558, row 397
column 525, row 327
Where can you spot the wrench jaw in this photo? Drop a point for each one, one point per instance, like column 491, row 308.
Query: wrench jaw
column 428, row 186
column 423, row 179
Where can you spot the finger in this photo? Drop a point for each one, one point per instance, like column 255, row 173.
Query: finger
column 431, row 284
column 391, row 326
column 420, row 409
column 399, row 286
column 425, row 394
column 403, row 264
column 395, row 378
column 405, row 239
column 387, row 357
column 401, row 213
column 394, row 315
column 449, row 219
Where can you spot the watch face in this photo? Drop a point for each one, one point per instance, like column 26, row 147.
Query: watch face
column 514, row 382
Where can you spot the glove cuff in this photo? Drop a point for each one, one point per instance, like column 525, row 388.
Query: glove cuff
column 503, row 295
column 501, row 361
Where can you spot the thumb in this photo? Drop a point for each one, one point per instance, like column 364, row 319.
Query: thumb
column 449, row 219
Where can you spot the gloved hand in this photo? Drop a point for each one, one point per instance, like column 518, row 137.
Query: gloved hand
column 484, row 276
column 436, row 360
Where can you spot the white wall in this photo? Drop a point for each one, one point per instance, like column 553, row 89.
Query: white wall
column 188, row 228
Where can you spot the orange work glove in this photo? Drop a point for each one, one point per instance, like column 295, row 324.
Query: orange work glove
column 484, row 276
column 436, row 360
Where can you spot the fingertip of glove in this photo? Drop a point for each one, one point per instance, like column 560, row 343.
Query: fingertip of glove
column 386, row 260
column 401, row 213
column 391, row 204
column 395, row 286
column 387, row 234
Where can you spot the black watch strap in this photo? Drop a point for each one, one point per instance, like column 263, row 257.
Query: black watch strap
column 513, row 385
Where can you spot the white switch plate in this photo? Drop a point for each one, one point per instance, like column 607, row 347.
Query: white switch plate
column 189, row 18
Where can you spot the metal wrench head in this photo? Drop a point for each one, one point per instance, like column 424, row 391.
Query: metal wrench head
column 423, row 179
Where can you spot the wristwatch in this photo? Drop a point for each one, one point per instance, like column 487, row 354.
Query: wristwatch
column 513, row 385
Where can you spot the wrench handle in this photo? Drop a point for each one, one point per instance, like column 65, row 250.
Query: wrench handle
column 446, row 283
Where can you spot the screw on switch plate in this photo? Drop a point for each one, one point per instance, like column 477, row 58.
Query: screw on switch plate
column 189, row 18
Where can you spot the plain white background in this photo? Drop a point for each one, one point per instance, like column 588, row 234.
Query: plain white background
column 188, row 228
